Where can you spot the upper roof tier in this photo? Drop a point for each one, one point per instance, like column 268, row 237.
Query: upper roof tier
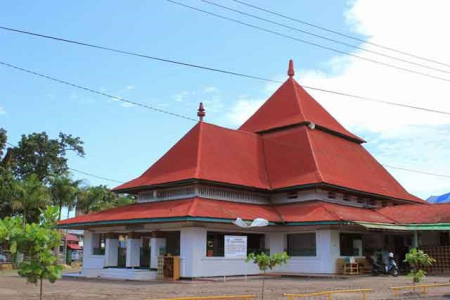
column 274, row 150
column 291, row 105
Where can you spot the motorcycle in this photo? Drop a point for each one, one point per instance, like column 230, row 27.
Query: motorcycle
column 392, row 268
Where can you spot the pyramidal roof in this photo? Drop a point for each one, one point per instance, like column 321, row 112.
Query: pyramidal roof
column 212, row 153
column 291, row 105
column 276, row 149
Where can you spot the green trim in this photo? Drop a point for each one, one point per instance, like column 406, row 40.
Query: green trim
column 405, row 227
column 316, row 223
column 153, row 220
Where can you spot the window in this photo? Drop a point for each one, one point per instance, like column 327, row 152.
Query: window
column 360, row 200
column 292, row 195
column 215, row 243
column 302, row 244
column 444, row 238
column 331, row 195
column 346, row 197
column 384, row 204
column 351, row 244
column 98, row 244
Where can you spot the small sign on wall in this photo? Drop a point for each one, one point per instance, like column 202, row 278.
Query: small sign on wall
column 235, row 246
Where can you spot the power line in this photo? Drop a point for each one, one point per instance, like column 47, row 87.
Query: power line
column 206, row 68
column 417, row 171
column 341, row 34
column 82, row 172
column 98, row 92
column 308, row 42
column 132, row 53
column 95, row 176
column 324, row 37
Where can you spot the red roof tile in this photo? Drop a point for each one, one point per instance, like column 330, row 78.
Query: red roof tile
column 193, row 207
column 312, row 211
column 411, row 214
column 286, row 157
column 317, row 211
column 290, row 105
column 300, row 156
column 211, row 153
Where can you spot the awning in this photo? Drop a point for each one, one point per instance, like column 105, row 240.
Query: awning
column 405, row 227
column 74, row 247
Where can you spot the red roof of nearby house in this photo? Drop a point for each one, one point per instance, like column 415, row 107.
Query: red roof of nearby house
column 72, row 238
column 411, row 214
column 74, row 246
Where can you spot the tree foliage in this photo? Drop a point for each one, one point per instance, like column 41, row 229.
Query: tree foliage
column 3, row 140
column 29, row 196
column 36, row 241
column 37, row 154
column 63, row 192
column 267, row 262
column 97, row 198
column 416, row 260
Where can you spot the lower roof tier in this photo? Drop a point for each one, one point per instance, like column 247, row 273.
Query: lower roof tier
column 207, row 210
column 292, row 158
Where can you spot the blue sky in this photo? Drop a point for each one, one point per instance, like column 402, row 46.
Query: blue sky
column 123, row 141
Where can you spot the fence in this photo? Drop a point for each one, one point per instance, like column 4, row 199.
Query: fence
column 329, row 294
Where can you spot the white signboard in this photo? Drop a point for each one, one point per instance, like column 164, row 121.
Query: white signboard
column 235, row 246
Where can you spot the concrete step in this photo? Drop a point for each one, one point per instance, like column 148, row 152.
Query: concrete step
column 128, row 274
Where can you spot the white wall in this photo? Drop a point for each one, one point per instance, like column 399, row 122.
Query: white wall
column 327, row 251
column 195, row 263
column 92, row 264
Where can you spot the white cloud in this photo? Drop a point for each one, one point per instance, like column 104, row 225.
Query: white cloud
column 181, row 96
column 397, row 136
column 209, row 89
column 2, row 111
column 242, row 110
column 130, row 87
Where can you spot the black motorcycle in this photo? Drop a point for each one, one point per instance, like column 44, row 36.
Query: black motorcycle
column 390, row 269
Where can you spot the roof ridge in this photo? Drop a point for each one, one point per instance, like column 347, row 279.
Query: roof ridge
column 192, row 207
column 199, row 150
column 313, row 153
column 322, row 204
column 233, row 130
column 293, row 82
column 265, row 162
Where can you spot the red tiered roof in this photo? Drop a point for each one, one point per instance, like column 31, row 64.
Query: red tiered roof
column 207, row 210
column 275, row 149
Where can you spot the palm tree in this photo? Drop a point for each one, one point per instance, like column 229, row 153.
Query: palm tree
column 29, row 196
column 63, row 191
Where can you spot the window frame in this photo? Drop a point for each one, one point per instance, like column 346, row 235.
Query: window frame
column 288, row 249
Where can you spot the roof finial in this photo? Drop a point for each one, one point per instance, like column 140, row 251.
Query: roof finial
column 201, row 112
column 291, row 71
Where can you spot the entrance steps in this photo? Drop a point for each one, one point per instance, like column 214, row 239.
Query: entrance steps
column 128, row 274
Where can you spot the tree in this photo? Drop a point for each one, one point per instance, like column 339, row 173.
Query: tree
column 3, row 140
column 63, row 192
column 267, row 262
column 37, row 241
column 28, row 197
column 37, row 154
column 417, row 259
column 97, row 198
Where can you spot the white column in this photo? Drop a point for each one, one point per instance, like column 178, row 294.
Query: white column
column 133, row 252
column 275, row 242
column 192, row 250
column 328, row 250
column 111, row 252
column 157, row 245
